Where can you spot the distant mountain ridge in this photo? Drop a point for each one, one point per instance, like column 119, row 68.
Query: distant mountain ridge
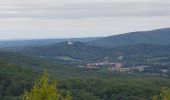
column 130, row 44
column 159, row 36
column 36, row 42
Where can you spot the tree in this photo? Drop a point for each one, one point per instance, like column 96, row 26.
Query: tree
column 164, row 95
column 45, row 90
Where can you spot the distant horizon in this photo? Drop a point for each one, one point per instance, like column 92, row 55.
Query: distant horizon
column 44, row 19
column 29, row 39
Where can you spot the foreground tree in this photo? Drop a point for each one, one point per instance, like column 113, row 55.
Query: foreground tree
column 164, row 95
column 45, row 90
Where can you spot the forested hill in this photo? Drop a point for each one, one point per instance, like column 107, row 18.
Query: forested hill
column 18, row 72
column 160, row 36
column 41, row 41
column 14, row 79
column 77, row 50
column 83, row 51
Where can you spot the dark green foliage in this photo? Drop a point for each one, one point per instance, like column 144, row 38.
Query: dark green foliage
column 16, row 74
column 114, row 89
column 13, row 80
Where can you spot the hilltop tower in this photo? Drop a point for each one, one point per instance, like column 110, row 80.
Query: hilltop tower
column 70, row 42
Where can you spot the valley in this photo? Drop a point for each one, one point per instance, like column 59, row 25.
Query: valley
column 133, row 71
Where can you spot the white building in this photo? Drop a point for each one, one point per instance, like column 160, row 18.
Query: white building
column 70, row 42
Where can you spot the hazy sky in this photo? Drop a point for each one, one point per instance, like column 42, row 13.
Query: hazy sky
column 26, row 19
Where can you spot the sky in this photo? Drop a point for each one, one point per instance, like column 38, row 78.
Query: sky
column 36, row 19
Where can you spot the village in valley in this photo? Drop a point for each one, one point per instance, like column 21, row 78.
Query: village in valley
column 113, row 66
column 116, row 66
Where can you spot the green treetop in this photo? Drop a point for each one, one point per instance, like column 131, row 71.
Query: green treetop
column 164, row 95
column 45, row 90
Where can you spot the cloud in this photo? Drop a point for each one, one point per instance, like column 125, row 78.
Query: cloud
column 80, row 18
column 72, row 10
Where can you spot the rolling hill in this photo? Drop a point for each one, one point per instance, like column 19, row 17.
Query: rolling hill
column 78, row 50
column 84, row 52
column 14, row 79
column 35, row 63
column 36, row 42
column 160, row 36
column 20, row 66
